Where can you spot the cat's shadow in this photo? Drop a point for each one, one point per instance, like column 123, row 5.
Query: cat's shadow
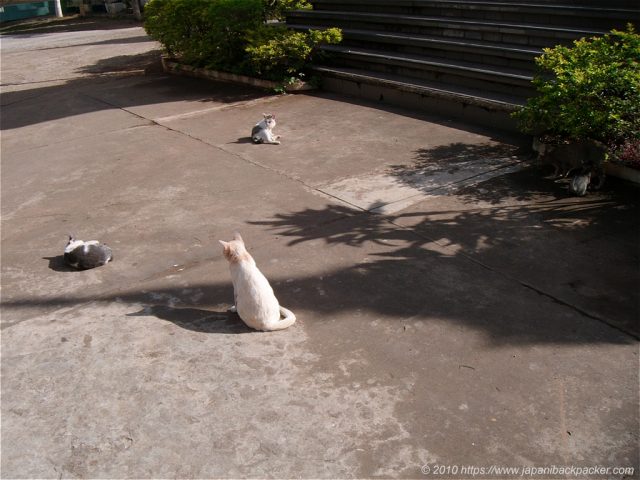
column 244, row 140
column 196, row 320
column 57, row 264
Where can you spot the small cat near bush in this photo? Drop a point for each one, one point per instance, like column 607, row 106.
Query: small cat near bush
column 262, row 132
column 584, row 159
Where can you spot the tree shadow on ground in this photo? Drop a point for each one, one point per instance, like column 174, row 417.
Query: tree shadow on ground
column 550, row 270
column 124, row 63
column 71, row 23
column 580, row 252
column 494, row 159
column 445, row 155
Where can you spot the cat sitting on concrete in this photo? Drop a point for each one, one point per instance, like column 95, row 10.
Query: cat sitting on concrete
column 255, row 301
column 580, row 182
column 85, row 255
column 584, row 156
column 262, row 132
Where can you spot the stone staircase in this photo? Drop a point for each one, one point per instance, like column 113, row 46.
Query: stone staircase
column 472, row 60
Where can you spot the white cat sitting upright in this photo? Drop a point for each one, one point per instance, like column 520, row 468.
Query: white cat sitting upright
column 262, row 132
column 255, row 301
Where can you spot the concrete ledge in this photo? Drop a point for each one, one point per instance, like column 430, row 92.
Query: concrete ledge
column 174, row 67
column 461, row 106
column 623, row 172
column 407, row 98
column 550, row 8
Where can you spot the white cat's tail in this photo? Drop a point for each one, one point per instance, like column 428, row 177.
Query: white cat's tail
column 288, row 320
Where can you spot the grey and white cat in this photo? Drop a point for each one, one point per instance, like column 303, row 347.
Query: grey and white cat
column 85, row 255
column 262, row 132
column 584, row 156
column 580, row 182
column 255, row 301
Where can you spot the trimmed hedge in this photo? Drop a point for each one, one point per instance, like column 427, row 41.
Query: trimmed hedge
column 230, row 35
column 203, row 33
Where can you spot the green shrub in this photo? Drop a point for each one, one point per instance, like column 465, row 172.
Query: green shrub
column 231, row 35
column 203, row 32
column 276, row 53
column 275, row 9
column 593, row 90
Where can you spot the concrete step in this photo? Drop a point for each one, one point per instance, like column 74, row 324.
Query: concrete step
column 467, row 59
column 487, row 31
column 504, row 55
column 599, row 16
column 465, row 74
column 490, row 100
column 473, row 105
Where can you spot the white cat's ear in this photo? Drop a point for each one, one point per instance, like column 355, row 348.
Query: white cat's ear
column 236, row 236
column 224, row 244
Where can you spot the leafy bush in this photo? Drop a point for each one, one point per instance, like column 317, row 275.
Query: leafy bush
column 593, row 90
column 277, row 53
column 203, row 32
column 231, row 35
column 275, row 9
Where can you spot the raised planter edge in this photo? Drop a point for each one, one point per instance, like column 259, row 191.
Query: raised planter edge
column 172, row 66
column 622, row 171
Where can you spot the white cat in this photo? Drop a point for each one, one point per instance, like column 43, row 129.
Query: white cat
column 255, row 301
column 262, row 132
column 85, row 255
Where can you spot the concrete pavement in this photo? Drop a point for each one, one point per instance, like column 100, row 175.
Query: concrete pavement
column 455, row 307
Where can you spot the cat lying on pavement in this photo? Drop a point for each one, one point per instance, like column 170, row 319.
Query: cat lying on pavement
column 83, row 255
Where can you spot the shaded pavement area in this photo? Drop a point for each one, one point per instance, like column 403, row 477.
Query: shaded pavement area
column 455, row 306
